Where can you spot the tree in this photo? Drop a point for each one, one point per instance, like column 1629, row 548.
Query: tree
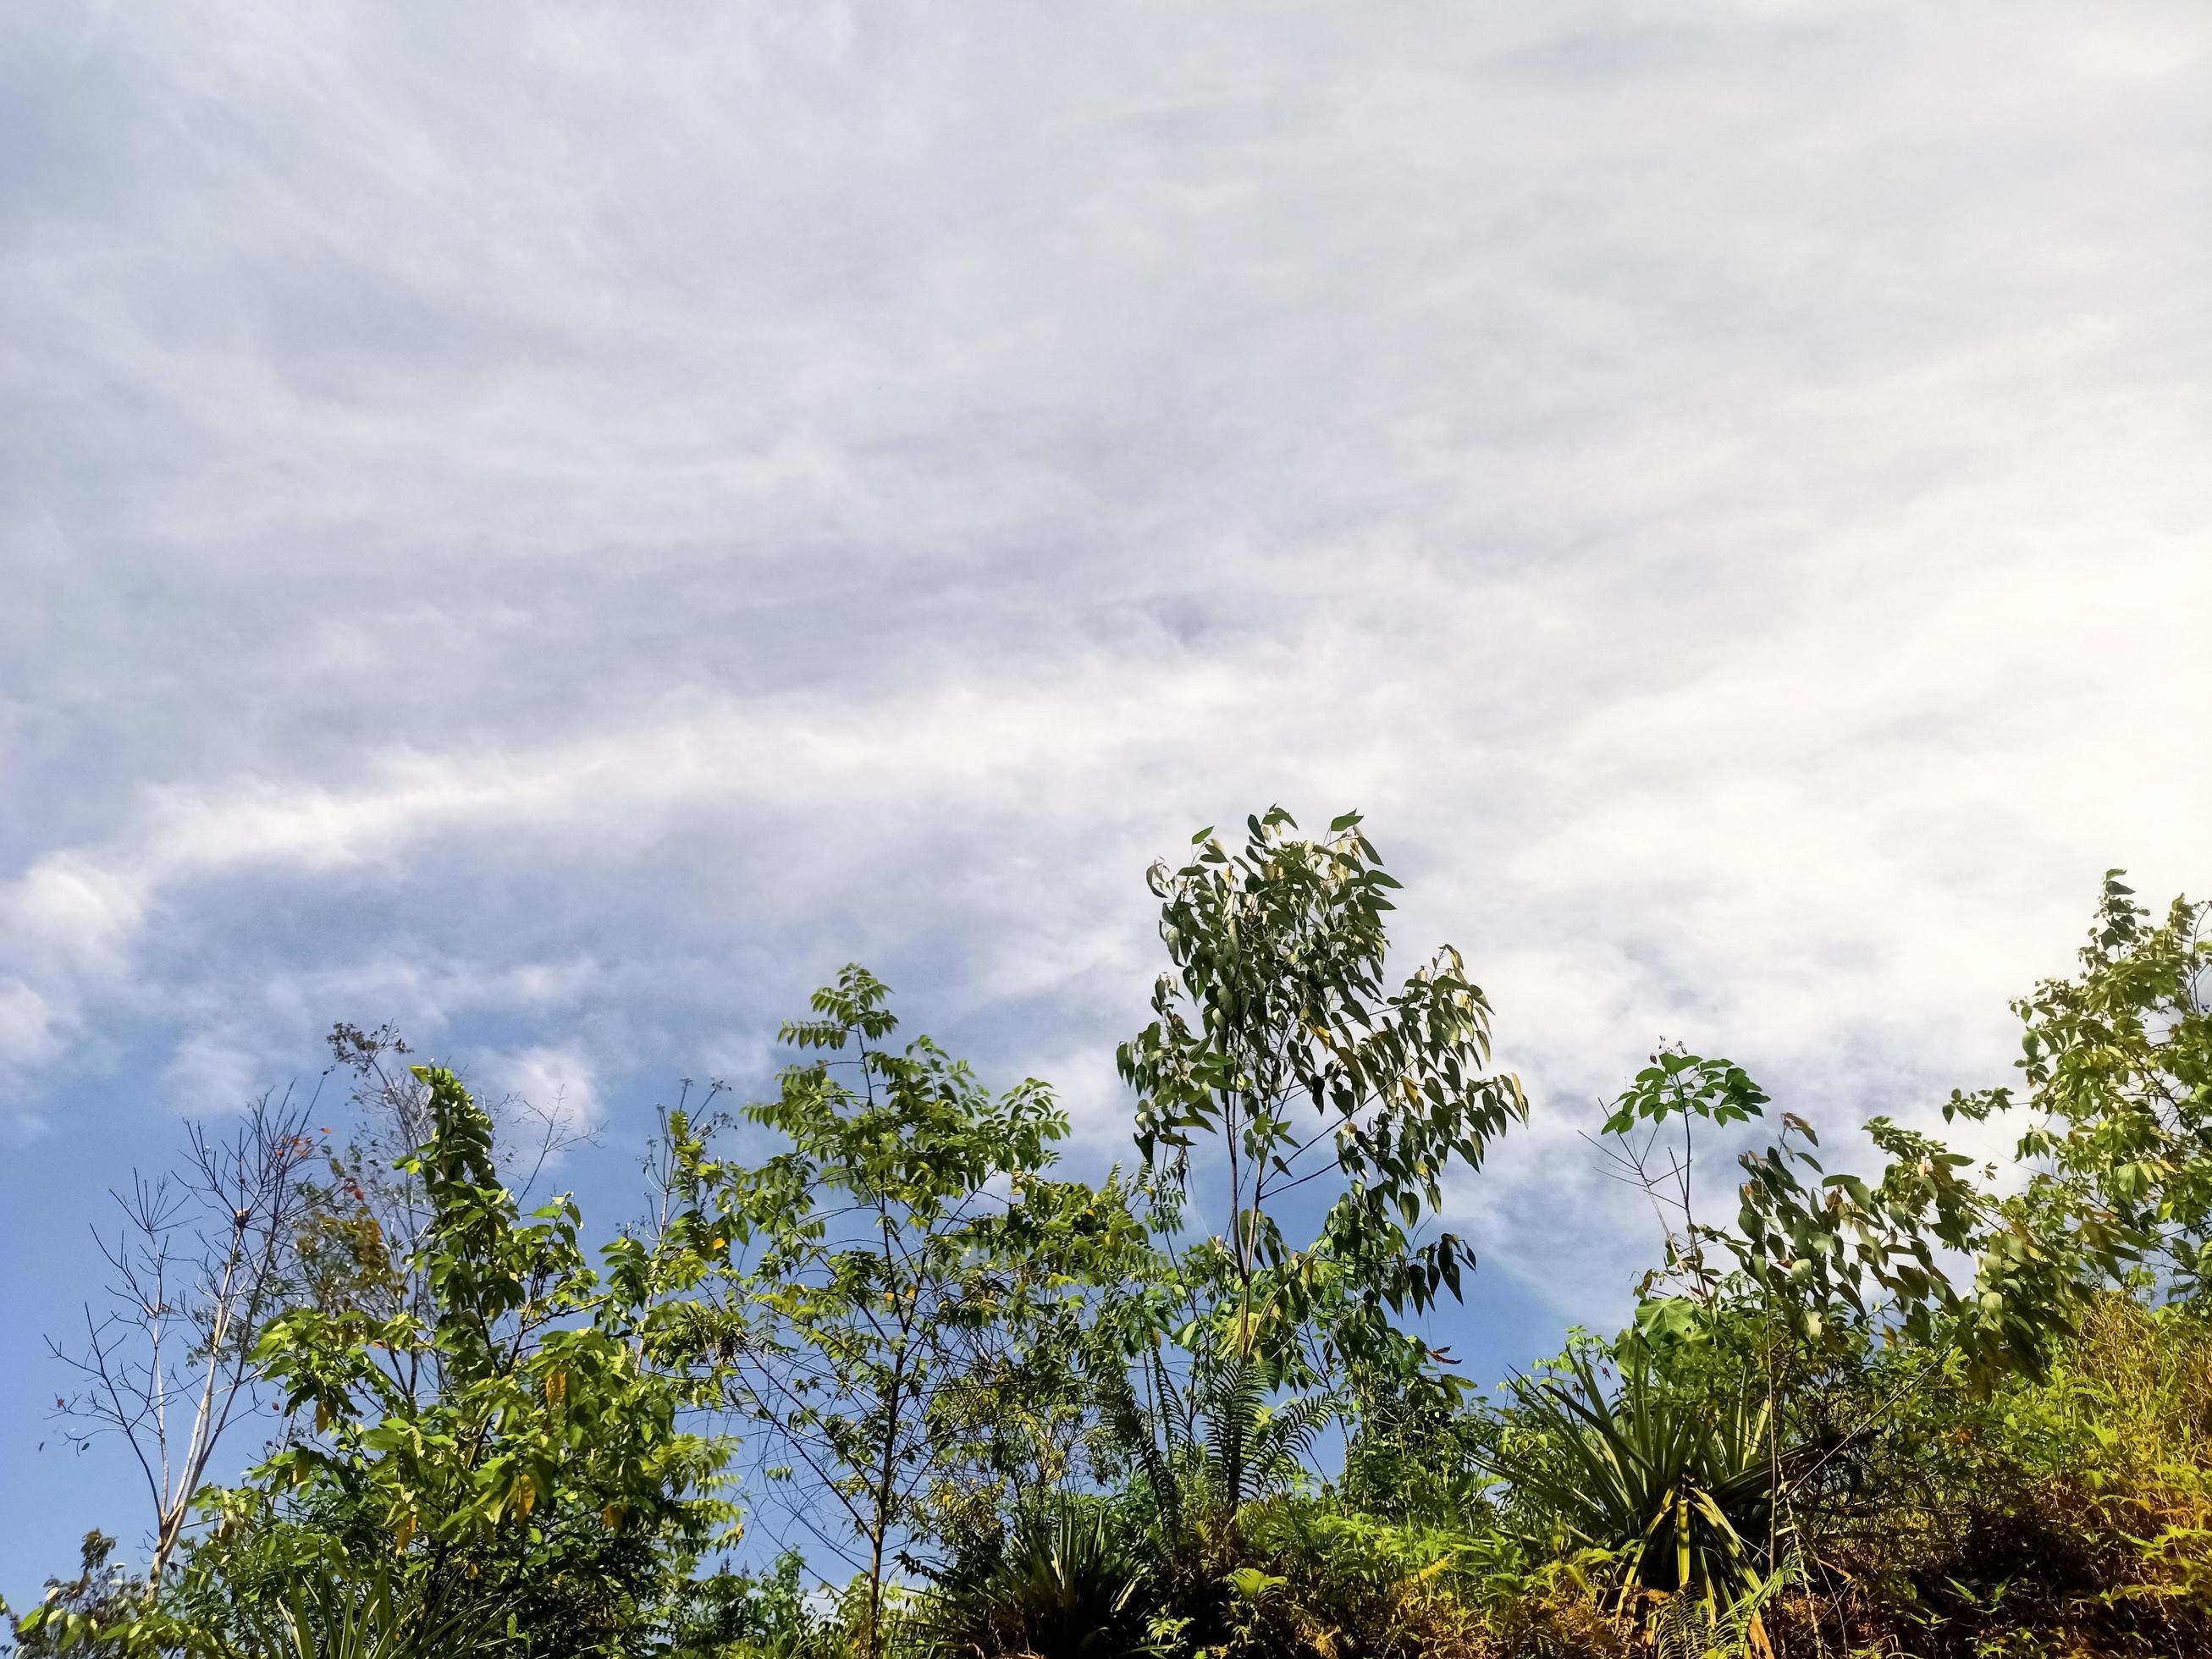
column 1836, row 1259
column 1835, row 1300
column 369, row 1213
column 2118, row 1062
column 524, row 1432
column 899, row 1280
column 1275, row 1040
column 2118, row 1065
column 203, row 1262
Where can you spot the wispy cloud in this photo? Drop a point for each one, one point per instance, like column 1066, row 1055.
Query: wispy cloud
column 561, row 530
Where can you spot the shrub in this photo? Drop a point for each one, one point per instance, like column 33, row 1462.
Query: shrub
column 1063, row 1585
column 1676, row 1493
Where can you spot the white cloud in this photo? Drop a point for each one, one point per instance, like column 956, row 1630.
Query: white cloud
column 70, row 910
column 25, row 1025
column 555, row 1086
column 561, row 532
column 211, row 1075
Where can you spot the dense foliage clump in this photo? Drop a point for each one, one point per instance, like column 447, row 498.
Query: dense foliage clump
column 977, row 1409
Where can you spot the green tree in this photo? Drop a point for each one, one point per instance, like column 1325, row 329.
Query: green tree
column 2119, row 1066
column 1835, row 1260
column 525, row 1431
column 1277, row 1046
column 902, row 1286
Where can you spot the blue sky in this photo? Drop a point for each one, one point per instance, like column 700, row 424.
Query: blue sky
column 557, row 527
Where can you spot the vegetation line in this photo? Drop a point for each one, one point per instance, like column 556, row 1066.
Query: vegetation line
column 1189, row 1412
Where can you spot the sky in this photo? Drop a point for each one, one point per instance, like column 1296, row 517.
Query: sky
column 556, row 528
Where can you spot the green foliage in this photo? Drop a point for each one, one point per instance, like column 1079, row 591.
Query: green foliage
column 1854, row 1255
column 331, row 1614
column 1203, row 1451
column 1062, row 1585
column 903, row 1272
column 1691, row 1627
column 1675, row 1492
column 520, row 1434
column 1349, row 1581
column 1037, row 1417
column 1832, row 1258
column 2118, row 1065
column 2068, row 1513
column 76, row 1613
column 326, row 1606
column 765, row 1615
column 1676, row 1084
column 1416, row 1461
column 1276, row 1019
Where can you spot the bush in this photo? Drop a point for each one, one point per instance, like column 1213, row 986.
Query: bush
column 2075, row 1509
column 1675, row 1493
column 1062, row 1584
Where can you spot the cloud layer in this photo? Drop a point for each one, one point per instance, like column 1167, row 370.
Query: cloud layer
column 559, row 527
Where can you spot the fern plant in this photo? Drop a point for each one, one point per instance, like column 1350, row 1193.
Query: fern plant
column 1208, row 1448
column 1205, row 1450
column 1685, row 1626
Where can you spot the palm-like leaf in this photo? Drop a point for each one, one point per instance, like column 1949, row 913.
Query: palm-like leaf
column 1064, row 1587
column 1680, row 1492
column 332, row 1613
column 1232, row 1397
column 1208, row 1448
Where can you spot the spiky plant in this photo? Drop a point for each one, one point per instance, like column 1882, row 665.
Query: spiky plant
column 331, row 1613
column 1677, row 1492
column 1062, row 1586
